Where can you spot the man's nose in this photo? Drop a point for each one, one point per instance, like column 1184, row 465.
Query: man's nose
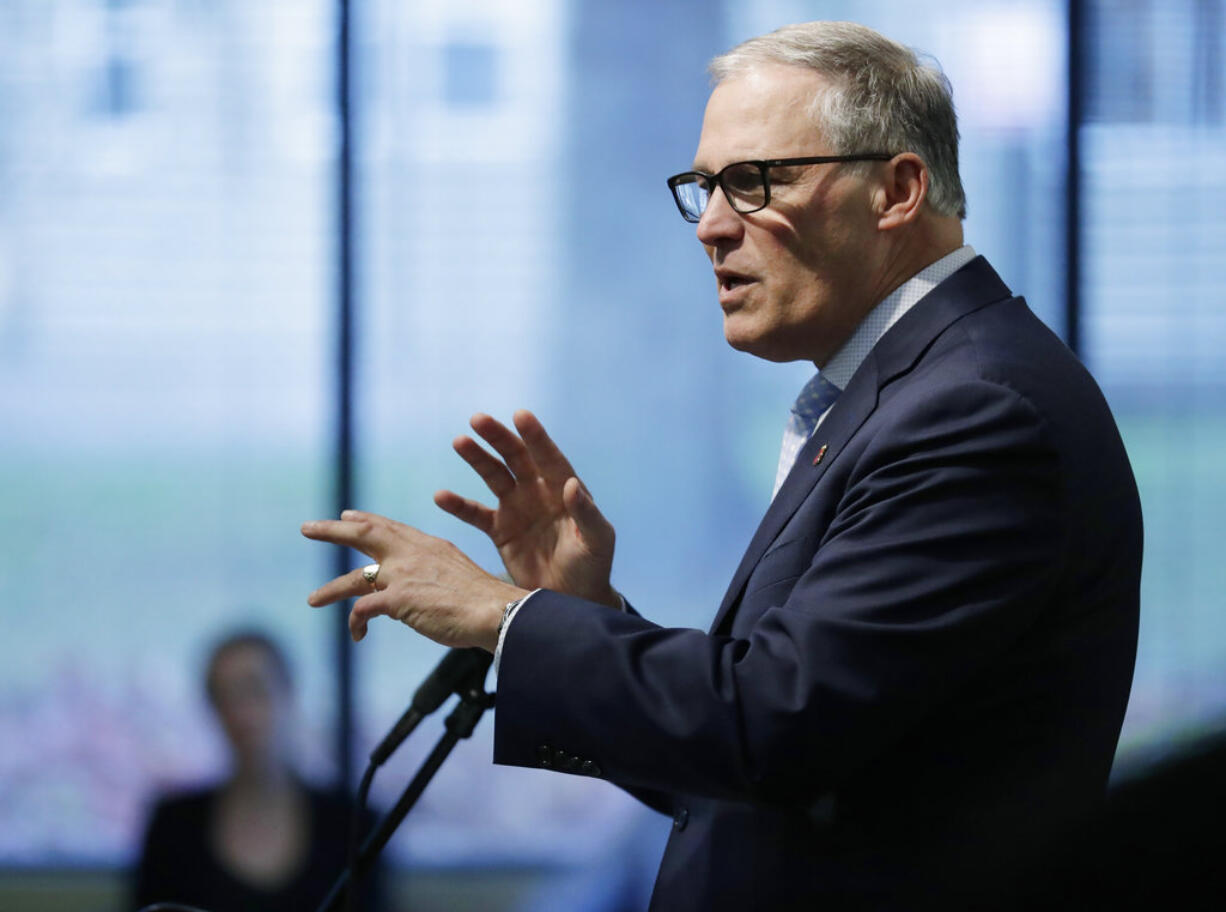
column 719, row 220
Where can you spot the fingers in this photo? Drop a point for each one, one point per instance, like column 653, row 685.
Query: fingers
column 595, row 529
column 470, row 511
column 365, row 532
column 495, row 475
column 364, row 609
column 526, row 456
column 544, row 452
column 507, row 444
column 350, row 585
column 374, row 535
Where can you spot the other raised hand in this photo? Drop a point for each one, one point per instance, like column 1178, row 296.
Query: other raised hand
column 546, row 526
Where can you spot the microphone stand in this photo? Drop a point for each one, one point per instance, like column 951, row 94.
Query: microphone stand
column 474, row 701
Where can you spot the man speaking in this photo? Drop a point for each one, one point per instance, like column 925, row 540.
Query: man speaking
column 918, row 673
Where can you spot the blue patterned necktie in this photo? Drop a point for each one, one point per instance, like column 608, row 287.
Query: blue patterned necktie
column 816, row 397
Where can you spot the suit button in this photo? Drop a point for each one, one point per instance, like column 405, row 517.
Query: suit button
column 572, row 764
column 589, row 768
column 681, row 818
column 559, row 759
column 544, row 756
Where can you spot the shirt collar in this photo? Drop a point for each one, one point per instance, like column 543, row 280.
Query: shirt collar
column 847, row 360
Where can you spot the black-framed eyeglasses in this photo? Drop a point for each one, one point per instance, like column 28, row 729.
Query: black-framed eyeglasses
column 746, row 184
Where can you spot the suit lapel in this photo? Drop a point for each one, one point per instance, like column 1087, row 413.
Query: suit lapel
column 850, row 411
column 972, row 287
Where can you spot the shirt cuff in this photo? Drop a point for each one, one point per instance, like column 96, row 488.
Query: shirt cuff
column 505, row 626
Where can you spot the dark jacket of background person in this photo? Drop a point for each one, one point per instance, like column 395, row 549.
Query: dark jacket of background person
column 179, row 864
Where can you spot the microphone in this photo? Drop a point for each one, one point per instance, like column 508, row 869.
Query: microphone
column 457, row 670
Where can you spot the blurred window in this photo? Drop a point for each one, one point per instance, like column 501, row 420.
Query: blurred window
column 165, row 250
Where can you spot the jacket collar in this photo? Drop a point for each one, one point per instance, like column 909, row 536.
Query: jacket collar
column 973, row 286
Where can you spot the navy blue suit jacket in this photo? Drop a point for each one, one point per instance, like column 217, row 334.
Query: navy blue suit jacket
column 921, row 666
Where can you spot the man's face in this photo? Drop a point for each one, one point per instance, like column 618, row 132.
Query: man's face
column 794, row 278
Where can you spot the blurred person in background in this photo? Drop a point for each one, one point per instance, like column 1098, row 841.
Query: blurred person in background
column 263, row 839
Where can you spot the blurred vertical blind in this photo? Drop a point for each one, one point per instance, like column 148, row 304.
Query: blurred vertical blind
column 166, row 247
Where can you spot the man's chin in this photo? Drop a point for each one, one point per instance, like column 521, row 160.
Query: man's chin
column 758, row 345
column 740, row 335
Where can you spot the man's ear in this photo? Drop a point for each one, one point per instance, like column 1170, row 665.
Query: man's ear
column 903, row 189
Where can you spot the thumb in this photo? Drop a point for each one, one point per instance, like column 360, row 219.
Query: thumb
column 597, row 530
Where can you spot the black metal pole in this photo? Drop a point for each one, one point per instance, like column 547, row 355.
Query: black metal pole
column 1077, row 46
column 343, row 485
column 459, row 725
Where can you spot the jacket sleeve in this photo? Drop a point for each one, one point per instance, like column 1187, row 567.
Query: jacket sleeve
column 943, row 550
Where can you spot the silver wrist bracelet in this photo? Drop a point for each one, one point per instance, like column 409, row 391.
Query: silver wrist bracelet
column 506, row 614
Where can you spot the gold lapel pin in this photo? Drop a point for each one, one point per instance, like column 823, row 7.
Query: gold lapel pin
column 820, row 454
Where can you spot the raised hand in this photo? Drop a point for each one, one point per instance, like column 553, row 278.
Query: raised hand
column 423, row 581
column 546, row 526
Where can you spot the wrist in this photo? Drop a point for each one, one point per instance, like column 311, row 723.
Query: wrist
column 507, row 600
column 507, row 613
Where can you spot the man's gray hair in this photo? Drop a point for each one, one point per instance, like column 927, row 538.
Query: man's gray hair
column 882, row 97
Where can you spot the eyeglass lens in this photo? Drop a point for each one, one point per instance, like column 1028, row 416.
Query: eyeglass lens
column 743, row 183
